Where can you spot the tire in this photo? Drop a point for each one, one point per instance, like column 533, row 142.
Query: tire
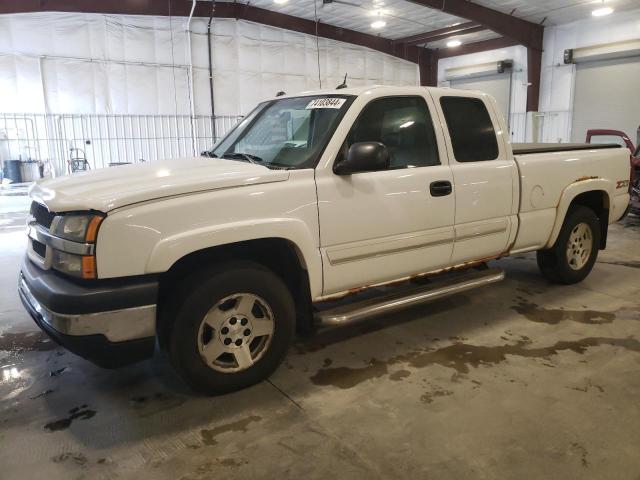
column 234, row 298
column 574, row 253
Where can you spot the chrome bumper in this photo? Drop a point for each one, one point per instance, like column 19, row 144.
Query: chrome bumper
column 115, row 325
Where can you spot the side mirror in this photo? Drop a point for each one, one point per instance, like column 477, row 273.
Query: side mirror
column 364, row 157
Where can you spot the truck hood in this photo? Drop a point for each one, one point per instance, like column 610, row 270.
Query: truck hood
column 115, row 187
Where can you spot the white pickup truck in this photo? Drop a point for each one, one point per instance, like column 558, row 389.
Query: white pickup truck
column 309, row 201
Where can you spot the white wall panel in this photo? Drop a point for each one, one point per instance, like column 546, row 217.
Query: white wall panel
column 607, row 95
column 20, row 84
column 518, row 81
column 123, row 64
column 558, row 79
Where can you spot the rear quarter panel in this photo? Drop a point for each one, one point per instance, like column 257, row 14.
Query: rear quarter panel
column 550, row 181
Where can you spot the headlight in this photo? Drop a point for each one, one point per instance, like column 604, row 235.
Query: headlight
column 80, row 228
column 77, row 227
column 80, row 266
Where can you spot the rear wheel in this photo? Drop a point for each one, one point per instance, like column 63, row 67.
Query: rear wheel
column 233, row 326
column 574, row 253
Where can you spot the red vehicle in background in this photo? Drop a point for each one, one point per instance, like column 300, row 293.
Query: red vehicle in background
column 600, row 136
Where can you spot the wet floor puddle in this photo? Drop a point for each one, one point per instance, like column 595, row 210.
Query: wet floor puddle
column 25, row 341
column 461, row 357
column 209, row 436
column 553, row 316
column 77, row 413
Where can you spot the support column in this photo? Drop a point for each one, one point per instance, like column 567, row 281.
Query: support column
column 428, row 64
column 534, row 67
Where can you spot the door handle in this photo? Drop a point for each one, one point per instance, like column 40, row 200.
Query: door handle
column 440, row 188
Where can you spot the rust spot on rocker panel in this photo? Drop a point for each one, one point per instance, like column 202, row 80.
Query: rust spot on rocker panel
column 417, row 276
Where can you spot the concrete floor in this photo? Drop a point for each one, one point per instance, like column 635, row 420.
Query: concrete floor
column 519, row 380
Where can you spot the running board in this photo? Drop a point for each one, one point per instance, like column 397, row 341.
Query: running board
column 407, row 297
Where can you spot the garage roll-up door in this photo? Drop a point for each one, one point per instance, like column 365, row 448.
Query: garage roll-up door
column 498, row 85
column 607, row 95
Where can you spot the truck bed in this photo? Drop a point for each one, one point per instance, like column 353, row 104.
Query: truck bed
column 526, row 148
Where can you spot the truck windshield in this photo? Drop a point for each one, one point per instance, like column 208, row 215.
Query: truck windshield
column 287, row 133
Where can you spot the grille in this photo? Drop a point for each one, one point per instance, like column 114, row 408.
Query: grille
column 43, row 216
column 39, row 248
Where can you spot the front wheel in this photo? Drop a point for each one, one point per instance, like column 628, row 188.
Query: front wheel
column 574, row 253
column 233, row 327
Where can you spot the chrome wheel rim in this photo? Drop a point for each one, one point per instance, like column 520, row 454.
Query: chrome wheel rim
column 579, row 246
column 236, row 332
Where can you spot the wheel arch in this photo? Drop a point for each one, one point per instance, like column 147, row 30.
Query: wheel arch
column 280, row 255
column 591, row 193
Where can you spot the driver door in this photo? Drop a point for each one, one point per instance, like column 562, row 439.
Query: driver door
column 383, row 225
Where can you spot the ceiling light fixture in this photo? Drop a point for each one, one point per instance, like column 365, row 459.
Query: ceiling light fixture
column 378, row 24
column 454, row 43
column 601, row 12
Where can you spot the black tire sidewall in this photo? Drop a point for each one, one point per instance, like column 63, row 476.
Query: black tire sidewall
column 201, row 293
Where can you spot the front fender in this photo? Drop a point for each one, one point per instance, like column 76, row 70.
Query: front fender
column 171, row 249
column 570, row 193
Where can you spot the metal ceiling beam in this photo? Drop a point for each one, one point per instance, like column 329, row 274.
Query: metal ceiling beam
column 302, row 25
column 525, row 33
column 476, row 47
column 442, row 33
column 234, row 10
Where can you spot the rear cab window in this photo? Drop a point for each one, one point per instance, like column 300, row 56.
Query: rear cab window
column 473, row 136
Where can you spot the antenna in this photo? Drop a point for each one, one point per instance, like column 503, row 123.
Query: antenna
column 343, row 84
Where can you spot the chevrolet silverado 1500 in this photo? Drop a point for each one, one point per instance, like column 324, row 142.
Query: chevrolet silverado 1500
column 311, row 200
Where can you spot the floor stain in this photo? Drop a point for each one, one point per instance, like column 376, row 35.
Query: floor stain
column 399, row 375
column 55, row 373
column 552, row 316
column 582, row 451
column 221, row 462
column 77, row 458
column 77, row 413
column 429, row 397
column 462, row 356
column 147, row 405
column 209, row 435
column 588, row 386
column 26, row 342
column 630, row 263
column 346, row 377
column 42, row 394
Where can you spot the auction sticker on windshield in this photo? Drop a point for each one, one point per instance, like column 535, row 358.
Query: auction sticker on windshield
column 326, row 103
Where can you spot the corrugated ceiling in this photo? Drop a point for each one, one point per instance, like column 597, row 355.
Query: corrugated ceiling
column 404, row 18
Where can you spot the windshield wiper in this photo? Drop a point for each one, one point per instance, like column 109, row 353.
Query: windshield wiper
column 208, row 153
column 243, row 156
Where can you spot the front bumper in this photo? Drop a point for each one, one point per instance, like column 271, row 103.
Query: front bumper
column 111, row 324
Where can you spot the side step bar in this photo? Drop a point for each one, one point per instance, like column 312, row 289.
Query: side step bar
column 407, row 297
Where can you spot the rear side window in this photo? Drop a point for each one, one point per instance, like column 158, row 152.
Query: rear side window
column 472, row 134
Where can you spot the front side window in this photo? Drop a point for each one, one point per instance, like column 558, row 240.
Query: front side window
column 403, row 125
column 472, row 134
column 287, row 133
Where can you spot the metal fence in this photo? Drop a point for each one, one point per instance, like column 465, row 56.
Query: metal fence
column 104, row 140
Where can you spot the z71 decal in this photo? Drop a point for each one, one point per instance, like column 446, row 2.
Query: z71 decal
column 622, row 184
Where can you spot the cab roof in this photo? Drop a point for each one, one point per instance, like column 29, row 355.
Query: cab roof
column 357, row 91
